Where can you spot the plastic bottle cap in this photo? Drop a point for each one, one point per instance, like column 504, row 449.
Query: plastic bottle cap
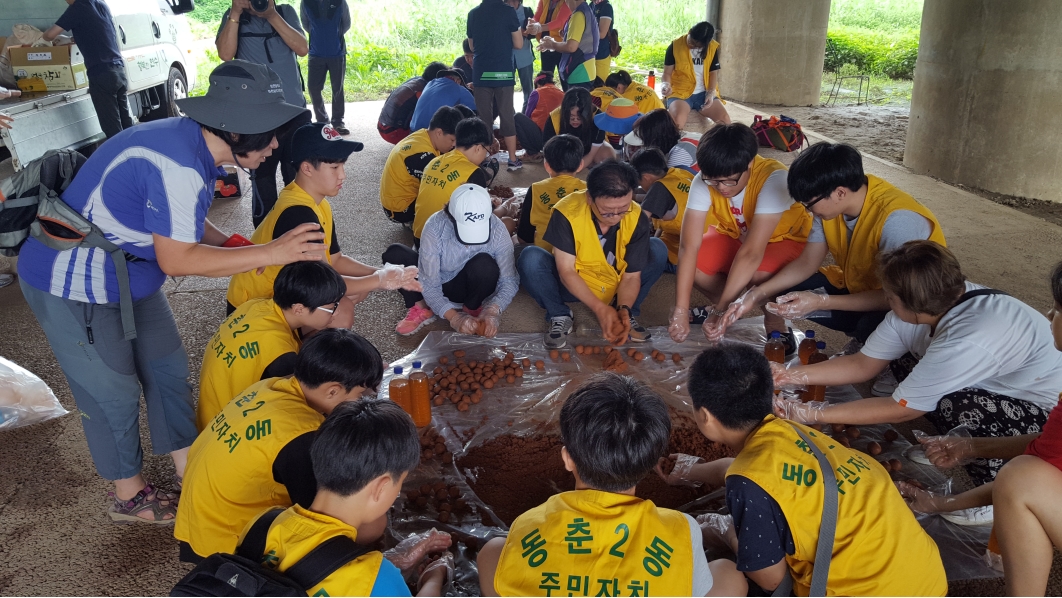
column 776, row 334
column 820, row 345
column 809, row 333
column 416, row 365
column 398, row 370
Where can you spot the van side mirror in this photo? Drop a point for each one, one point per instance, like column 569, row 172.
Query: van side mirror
column 180, row 7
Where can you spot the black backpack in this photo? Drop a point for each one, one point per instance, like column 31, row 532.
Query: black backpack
column 242, row 574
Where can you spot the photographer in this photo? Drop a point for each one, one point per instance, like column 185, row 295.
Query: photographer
column 259, row 31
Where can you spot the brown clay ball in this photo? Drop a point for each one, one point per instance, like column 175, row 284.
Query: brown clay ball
column 837, row 428
column 444, row 517
column 426, row 489
column 422, row 501
column 891, row 435
column 526, row 362
column 413, row 495
column 444, row 360
column 437, row 370
column 597, row 350
column 844, row 441
column 566, row 356
column 462, row 406
column 488, row 384
column 510, row 379
column 476, row 399
column 631, row 352
column 459, row 353
column 554, row 354
column 874, row 449
column 519, row 372
column 896, row 464
column 886, row 465
column 426, row 455
column 445, row 507
column 455, row 492
column 660, row 356
column 852, row 432
column 441, row 494
column 579, row 349
column 676, row 357
column 638, row 356
column 540, row 365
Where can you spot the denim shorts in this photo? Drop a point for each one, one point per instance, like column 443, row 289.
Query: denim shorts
column 696, row 101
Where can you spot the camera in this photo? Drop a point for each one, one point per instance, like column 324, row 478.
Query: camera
column 260, row 5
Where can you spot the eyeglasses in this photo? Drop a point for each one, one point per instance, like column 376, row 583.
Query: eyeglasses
column 814, row 201
column 722, row 182
column 613, row 214
column 335, row 306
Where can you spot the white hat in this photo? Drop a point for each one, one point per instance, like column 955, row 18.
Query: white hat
column 632, row 138
column 470, row 209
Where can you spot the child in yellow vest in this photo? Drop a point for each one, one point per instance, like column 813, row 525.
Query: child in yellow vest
column 642, row 95
column 740, row 228
column 604, row 255
column 691, row 76
column 563, row 160
column 361, row 455
column 856, row 217
column 409, row 158
column 319, row 153
column 666, row 192
column 262, row 337
column 600, row 539
column 254, row 455
column 451, row 170
column 775, row 492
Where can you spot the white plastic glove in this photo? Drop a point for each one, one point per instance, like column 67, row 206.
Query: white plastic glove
column 802, row 413
column 950, row 450
column 665, row 89
column 924, row 501
column 798, row 304
column 489, row 320
column 463, row 322
column 411, row 551
column 679, row 324
column 444, row 562
column 393, row 277
column 734, row 312
column 9, row 93
column 785, row 377
column 680, row 474
column 716, row 530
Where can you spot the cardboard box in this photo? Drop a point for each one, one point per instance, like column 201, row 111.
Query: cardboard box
column 48, row 68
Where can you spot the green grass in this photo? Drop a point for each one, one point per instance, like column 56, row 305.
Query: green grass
column 393, row 40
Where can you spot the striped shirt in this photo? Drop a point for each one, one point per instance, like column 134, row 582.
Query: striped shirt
column 442, row 256
column 155, row 178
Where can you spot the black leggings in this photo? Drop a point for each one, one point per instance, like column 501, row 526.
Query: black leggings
column 985, row 413
column 476, row 281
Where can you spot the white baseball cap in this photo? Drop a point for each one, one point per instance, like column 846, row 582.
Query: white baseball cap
column 470, row 209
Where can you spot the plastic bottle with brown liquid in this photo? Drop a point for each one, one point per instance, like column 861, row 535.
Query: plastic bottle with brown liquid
column 807, row 346
column 400, row 391
column 650, row 82
column 774, row 350
column 817, row 392
column 421, row 396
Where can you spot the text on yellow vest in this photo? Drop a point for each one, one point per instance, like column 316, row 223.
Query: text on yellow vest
column 251, row 285
column 593, row 543
column 794, row 225
column 398, row 188
column 441, row 177
column 547, row 194
column 605, row 94
column 856, row 267
column 677, row 181
column 879, row 547
column 644, row 96
column 590, row 261
column 239, row 352
column 683, row 79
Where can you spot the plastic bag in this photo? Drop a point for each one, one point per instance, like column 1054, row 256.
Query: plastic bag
column 24, row 398
column 410, row 552
column 801, row 304
column 953, row 449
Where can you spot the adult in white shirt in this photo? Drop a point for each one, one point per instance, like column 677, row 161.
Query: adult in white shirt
column 740, row 227
column 964, row 355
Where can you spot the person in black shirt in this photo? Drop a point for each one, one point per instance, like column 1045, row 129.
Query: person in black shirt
column 576, row 117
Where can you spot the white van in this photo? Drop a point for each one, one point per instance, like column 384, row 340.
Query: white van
column 157, row 46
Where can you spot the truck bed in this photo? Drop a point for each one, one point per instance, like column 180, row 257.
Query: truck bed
column 48, row 120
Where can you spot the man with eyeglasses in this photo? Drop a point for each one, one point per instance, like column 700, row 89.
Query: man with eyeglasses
column 604, row 255
column 857, row 217
column 740, row 227
column 262, row 337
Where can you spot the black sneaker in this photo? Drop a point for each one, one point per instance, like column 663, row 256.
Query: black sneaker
column 341, row 129
column 699, row 314
column 638, row 332
column 790, row 344
column 559, row 329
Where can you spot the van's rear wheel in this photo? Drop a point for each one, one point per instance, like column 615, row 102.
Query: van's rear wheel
column 176, row 89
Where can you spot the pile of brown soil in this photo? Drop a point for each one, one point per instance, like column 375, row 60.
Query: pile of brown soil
column 514, row 473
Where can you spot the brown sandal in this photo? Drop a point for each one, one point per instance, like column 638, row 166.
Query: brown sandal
column 162, row 508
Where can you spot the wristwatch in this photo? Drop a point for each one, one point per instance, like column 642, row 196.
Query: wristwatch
column 626, row 307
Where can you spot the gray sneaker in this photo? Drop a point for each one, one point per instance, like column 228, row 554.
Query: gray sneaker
column 557, row 335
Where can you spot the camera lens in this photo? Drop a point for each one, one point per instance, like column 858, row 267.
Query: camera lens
column 260, row 5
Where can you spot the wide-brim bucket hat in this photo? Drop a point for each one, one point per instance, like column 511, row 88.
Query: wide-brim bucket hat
column 243, row 97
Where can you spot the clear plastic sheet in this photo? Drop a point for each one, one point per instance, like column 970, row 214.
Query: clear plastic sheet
column 532, row 404
column 24, row 398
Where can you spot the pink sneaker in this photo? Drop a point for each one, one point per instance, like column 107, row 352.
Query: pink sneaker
column 416, row 318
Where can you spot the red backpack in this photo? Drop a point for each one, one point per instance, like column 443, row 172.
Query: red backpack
column 782, row 133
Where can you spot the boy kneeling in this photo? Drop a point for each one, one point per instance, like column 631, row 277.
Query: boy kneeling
column 878, row 546
column 362, row 454
column 600, row 539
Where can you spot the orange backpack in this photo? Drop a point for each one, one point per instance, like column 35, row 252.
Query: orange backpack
column 782, row 133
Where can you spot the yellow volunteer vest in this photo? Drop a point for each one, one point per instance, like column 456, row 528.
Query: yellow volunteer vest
column 297, row 531
column 677, row 181
column 605, row 94
column 441, row 177
column 856, row 266
column 251, row 285
column 879, row 547
column 239, row 352
column 547, row 194
column 593, row 543
column 796, row 221
column 590, row 262
column 554, row 117
column 644, row 96
column 398, row 188
column 683, row 80
column 229, row 477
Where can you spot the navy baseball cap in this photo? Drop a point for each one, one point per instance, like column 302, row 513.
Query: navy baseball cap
column 321, row 141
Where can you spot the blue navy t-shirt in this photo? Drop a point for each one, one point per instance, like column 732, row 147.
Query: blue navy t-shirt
column 440, row 92
column 157, row 177
column 763, row 534
column 91, row 24
column 491, row 26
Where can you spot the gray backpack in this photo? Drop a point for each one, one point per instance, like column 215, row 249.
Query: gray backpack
column 30, row 206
